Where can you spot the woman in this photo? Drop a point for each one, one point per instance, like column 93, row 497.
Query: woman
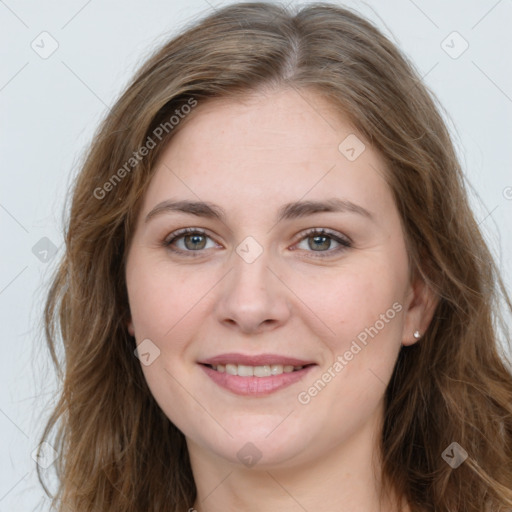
column 274, row 293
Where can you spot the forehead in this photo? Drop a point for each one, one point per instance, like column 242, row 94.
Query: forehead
column 297, row 124
column 266, row 147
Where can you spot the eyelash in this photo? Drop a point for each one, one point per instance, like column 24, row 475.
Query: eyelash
column 345, row 242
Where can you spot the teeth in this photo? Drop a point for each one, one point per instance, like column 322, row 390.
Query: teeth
column 243, row 370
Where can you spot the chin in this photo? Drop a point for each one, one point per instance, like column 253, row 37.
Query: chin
column 261, row 447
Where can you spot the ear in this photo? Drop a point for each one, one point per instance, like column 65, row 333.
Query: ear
column 131, row 330
column 421, row 304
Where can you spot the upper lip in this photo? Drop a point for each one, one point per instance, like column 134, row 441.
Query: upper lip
column 255, row 360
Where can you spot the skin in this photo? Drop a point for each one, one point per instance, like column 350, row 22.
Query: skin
column 250, row 158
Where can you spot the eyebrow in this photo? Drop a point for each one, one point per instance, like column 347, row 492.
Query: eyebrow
column 288, row 211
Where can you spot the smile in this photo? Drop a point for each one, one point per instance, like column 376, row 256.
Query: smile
column 243, row 370
column 255, row 381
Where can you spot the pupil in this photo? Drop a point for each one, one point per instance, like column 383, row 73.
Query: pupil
column 195, row 241
column 326, row 242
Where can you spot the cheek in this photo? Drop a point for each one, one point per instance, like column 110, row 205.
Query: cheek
column 164, row 305
column 353, row 299
column 363, row 308
column 161, row 298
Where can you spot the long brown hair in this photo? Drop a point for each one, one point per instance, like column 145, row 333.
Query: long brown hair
column 118, row 452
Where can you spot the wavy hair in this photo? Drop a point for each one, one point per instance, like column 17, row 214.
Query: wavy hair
column 118, row 452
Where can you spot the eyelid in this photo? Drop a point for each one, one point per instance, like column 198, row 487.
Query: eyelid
column 184, row 231
column 179, row 234
column 324, row 231
column 344, row 241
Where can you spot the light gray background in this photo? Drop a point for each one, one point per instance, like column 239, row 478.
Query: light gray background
column 51, row 106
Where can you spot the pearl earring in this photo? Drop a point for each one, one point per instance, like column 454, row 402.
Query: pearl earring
column 417, row 335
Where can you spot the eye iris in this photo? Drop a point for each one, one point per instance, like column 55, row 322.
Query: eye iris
column 196, row 238
column 325, row 244
column 197, row 241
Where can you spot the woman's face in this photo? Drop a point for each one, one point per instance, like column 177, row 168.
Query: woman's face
column 251, row 288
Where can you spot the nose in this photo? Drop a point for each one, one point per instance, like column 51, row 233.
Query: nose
column 253, row 298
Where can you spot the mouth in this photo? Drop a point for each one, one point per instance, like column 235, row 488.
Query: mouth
column 268, row 370
column 255, row 376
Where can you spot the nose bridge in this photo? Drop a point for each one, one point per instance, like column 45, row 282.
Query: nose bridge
column 251, row 276
column 252, row 295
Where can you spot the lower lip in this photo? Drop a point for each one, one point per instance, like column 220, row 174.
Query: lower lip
column 255, row 386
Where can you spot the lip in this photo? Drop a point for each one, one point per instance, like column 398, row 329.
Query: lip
column 255, row 386
column 255, row 360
